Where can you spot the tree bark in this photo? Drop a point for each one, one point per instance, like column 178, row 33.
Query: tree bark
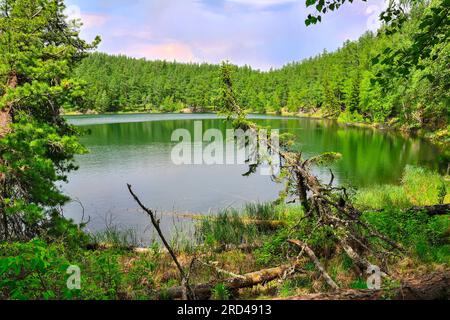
column 316, row 262
column 5, row 127
column 5, row 112
column 302, row 192
column 437, row 210
column 203, row 291
column 434, row 286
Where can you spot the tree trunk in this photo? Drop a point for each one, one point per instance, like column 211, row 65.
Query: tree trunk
column 302, row 192
column 203, row 291
column 316, row 262
column 5, row 127
column 5, row 112
column 434, row 286
column 437, row 210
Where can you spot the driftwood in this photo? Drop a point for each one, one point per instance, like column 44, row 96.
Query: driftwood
column 435, row 286
column 316, row 262
column 203, row 291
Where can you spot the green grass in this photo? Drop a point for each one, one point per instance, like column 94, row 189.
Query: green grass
column 220, row 292
column 231, row 226
column 359, row 284
column 263, row 211
column 419, row 187
column 116, row 237
column 227, row 227
column 427, row 238
column 289, row 287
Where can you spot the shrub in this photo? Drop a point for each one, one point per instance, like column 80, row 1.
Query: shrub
column 32, row 270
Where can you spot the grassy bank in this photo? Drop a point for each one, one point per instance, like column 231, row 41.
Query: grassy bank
column 231, row 243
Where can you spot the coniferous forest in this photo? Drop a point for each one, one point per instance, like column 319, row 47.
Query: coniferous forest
column 368, row 80
column 90, row 193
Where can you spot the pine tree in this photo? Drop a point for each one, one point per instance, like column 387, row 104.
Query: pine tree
column 39, row 47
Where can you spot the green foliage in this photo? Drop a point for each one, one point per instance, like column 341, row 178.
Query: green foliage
column 359, row 284
column 419, row 187
column 427, row 237
column 422, row 186
column 325, row 159
column 227, row 227
column 32, row 271
column 36, row 270
column 263, row 211
column 220, row 292
column 442, row 192
column 289, row 286
column 349, row 117
column 39, row 50
column 116, row 237
column 273, row 250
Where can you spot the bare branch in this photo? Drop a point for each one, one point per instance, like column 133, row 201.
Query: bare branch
column 156, row 224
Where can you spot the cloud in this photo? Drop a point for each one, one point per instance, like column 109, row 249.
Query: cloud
column 260, row 33
column 262, row 3
column 90, row 20
column 163, row 51
column 93, row 20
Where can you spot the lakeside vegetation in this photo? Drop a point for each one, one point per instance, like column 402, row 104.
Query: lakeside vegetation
column 114, row 270
column 391, row 226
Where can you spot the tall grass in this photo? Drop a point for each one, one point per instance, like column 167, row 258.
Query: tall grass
column 116, row 237
column 227, row 227
column 419, row 187
column 263, row 211
column 231, row 226
column 427, row 237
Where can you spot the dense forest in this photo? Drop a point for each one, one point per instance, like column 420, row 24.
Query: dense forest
column 357, row 83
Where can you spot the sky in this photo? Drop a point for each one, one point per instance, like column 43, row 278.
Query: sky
column 261, row 33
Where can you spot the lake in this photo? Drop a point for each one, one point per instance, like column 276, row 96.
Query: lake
column 136, row 149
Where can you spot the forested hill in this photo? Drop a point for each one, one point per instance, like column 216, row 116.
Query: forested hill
column 363, row 81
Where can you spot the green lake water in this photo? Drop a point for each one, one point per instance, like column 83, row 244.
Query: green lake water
column 136, row 149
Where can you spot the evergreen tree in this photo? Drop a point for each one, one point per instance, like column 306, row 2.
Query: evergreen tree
column 39, row 47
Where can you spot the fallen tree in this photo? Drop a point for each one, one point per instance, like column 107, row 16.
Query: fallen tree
column 316, row 262
column 435, row 286
column 326, row 207
column 437, row 210
column 432, row 211
column 204, row 291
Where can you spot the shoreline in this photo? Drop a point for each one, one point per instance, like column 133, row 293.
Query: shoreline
column 431, row 137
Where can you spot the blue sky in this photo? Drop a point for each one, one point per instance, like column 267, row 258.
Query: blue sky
column 259, row 33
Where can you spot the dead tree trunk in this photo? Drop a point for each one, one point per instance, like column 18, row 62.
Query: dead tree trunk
column 203, row 291
column 186, row 292
column 437, row 210
column 435, row 286
column 316, row 262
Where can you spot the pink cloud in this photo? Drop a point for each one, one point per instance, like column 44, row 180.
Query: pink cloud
column 93, row 20
column 164, row 51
